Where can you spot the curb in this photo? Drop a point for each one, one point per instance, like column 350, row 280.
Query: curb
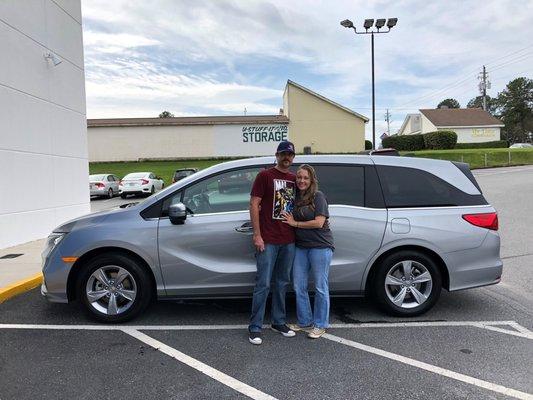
column 20, row 287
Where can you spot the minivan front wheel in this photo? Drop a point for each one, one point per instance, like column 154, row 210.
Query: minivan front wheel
column 407, row 283
column 114, row 288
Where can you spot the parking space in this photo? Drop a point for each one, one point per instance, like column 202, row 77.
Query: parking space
column 203, row 352
column 216, row 362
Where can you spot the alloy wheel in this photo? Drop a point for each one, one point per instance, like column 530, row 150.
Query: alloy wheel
column 111, row 290
column 408, row 284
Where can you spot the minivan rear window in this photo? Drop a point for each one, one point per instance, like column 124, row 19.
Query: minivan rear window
column 411, row 187
column 342, row 184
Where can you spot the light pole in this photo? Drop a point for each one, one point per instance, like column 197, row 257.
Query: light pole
column 380, row 23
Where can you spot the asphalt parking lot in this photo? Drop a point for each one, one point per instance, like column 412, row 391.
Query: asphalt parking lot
column 474, row 344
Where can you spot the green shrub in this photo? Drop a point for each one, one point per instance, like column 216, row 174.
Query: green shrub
column 440, row 140
column 368, row 145
column 404, row 142
column 483, row 145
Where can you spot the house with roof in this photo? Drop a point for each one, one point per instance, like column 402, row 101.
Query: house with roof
column 472, row 125
column 313, row 122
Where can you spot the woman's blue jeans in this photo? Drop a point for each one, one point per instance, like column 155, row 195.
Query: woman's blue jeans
column 314, row 261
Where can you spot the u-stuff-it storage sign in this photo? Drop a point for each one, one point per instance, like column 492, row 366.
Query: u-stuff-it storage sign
column 248, row 140
column 264, row 133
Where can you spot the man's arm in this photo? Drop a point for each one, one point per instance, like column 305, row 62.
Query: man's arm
column 254, row 217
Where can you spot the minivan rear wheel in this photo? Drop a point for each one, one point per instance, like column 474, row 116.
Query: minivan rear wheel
column 114, row 288
column 407, row 283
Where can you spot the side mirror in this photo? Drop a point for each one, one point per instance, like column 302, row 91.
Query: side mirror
column 177, row 213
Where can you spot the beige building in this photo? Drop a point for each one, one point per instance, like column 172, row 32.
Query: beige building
column 472, row 125
column 314, row 123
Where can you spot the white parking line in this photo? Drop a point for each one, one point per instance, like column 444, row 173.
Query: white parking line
column 432, row 368
column 489, row 325
column 217, row 375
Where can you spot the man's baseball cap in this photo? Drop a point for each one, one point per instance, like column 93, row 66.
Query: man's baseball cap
column 285, row 146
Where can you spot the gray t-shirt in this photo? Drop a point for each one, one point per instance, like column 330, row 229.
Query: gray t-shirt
column 318, row 237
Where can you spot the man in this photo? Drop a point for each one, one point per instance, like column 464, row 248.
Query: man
column 273, row 191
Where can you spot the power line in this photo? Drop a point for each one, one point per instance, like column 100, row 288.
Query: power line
column 455, row 84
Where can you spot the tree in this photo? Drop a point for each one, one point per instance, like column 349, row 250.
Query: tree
column 450, row 103
column 166, row 114
column 477, row 102
column 515, row 109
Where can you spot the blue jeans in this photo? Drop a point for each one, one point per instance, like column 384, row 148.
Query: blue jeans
column 273, row 264
column 317, row 261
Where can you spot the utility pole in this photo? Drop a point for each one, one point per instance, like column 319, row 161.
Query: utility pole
column 484, row 84
column 388, row 120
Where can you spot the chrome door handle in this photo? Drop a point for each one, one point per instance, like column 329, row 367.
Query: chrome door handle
column 245, row 228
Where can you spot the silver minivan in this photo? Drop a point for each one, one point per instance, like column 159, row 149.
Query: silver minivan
column 404, row 228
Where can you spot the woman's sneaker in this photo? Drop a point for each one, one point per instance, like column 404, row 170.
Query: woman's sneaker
column 255, row 338
column 298, row 328
column 316, row 333
column 284, row 330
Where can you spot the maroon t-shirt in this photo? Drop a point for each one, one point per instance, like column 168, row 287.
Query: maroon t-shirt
column 277, row 191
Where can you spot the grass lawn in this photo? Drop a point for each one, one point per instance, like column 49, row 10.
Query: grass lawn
column 476, row 157
column 164, row 169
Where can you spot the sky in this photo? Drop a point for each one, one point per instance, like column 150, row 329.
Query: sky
column 220, row 57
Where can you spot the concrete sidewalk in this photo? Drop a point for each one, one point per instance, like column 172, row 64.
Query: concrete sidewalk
column 23, row 272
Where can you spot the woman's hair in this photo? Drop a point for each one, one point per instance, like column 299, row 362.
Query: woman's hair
column 307, row 197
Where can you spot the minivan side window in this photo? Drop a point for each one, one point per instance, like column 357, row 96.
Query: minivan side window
column 228, row 191
column 342, row 184
column 411, row 187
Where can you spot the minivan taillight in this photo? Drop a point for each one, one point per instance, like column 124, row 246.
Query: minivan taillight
column 485, row 220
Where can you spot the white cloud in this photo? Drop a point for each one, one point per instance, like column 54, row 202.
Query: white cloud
column 216, row 56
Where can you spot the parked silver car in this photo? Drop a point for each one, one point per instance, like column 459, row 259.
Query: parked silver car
column 103, row 185
column 403, row 227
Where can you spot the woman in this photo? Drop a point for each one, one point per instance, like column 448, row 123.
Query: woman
column 314, row 250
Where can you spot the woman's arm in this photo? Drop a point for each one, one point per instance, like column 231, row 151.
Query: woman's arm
column 318, row 222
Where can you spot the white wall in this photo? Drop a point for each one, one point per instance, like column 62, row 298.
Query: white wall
column 43, row 134
column 183, row 141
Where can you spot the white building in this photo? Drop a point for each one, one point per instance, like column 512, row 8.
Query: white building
column 43, row 134
column 472, row 125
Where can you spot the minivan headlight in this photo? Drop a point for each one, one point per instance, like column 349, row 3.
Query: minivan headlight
column 51, row 242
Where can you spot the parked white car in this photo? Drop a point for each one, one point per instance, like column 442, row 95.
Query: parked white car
column 521, row 146
column 104, row 185
column 140, row 183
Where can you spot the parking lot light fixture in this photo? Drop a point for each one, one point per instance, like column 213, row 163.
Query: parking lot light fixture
column 347, row 23
column 380, row 23
column 368, row 23
column 391, row 22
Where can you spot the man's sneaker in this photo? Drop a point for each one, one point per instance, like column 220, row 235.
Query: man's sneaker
column 298, row 328
column 284, row 330
column 255, row 338
column 316, row 333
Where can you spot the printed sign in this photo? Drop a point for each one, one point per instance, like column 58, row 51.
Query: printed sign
column 264, row 133
column 483, row 132
column 246, row 140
